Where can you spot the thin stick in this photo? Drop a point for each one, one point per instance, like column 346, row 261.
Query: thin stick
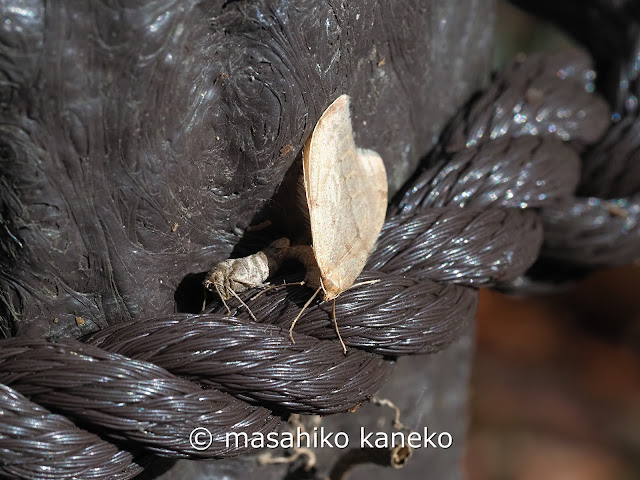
column 300, row 314
column 384, row 402
column 245, row 305
column 335, row 323
column 272, row 287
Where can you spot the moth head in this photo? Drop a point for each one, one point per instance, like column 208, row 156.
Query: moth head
column 216, row 281
column 330, row 289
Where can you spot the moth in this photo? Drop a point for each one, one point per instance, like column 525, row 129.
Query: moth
column 346, row 192
column 237, row 275
column 345, row 189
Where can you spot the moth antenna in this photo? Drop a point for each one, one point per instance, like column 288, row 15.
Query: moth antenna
column 300, row 314
column 245, row 305
column 366, row 282
column 222, row 297
column 273, row 287
column 335, row 323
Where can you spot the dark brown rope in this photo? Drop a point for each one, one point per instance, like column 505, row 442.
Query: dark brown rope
column 466, row 220
column 129, row 399
column 71, row 452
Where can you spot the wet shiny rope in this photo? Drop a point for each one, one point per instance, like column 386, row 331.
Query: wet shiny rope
column 474, row 215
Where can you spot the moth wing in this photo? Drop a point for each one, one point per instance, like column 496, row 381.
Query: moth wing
column 346, row 191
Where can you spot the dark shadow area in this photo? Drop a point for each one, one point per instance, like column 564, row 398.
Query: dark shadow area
column 283, row 216
column 190, row 293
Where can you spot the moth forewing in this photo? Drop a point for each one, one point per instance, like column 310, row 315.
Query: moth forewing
column 346, row 191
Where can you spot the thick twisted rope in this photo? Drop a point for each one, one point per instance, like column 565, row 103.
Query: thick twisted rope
column 466, row 220
column 71, row 451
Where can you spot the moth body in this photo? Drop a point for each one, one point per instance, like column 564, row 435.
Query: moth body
column 240, row 274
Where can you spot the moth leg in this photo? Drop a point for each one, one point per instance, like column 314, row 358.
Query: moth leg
column 245, row 305
column 221, row 283
column 226, row 291
column 335, row 323
column 273, row 287
column 222, row 297
column 300, row 314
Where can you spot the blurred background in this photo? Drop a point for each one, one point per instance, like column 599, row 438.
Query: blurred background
column 555, row 391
